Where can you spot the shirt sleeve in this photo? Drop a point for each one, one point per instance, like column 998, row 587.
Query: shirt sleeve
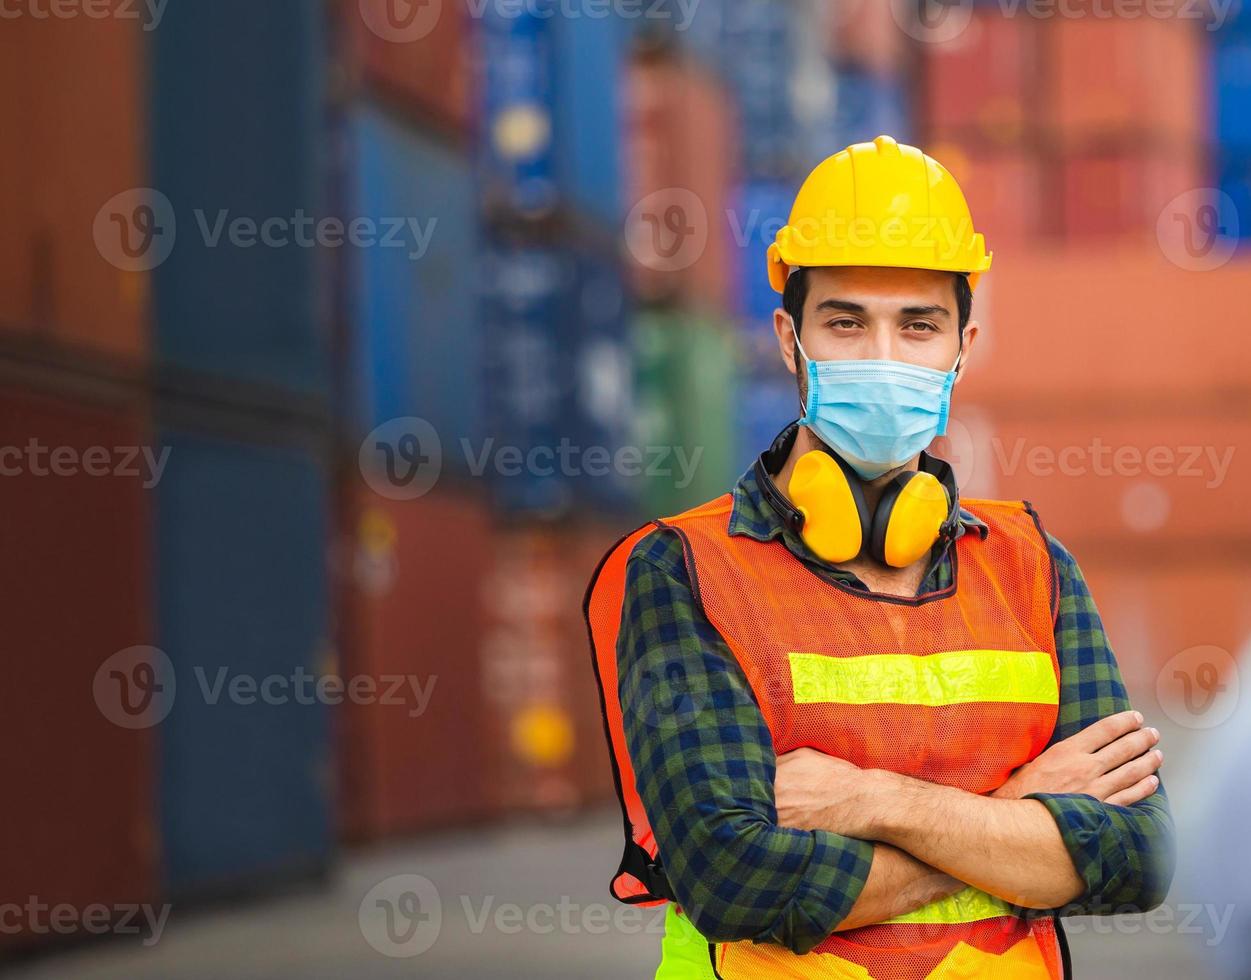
column 1125, row 854
column 704, row 764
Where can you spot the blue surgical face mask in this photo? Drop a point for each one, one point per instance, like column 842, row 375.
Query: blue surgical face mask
column 877, row 415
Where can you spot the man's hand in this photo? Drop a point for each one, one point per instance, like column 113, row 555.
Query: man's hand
column 814, row 791
column 1112, row 760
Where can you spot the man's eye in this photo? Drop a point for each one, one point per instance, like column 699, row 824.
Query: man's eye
column 844, row 324
column 922, row 326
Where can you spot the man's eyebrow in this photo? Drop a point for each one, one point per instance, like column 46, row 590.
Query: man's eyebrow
column 934, row 310
column 840, row 304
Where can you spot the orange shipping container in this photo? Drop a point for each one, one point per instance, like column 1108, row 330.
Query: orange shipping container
column 539, row 686
column 1131, row 483
column 1123, row 193
column 1091, row 331
column 1113, row 77
column 1004, row 190
column 423, row 60
column 411, row 572
column 978, row 84
column 73, row 119
column 681, row 148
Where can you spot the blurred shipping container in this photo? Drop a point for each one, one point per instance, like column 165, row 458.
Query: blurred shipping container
column 761, row 209
column 755, row 54
column 242, row 598
column 415, row 335
column 237, row 136
column 765, row 406
column 544, row 710
column 517, row 156
column 1091, row 330
column 1143, row 480
column 421, row 60
column 686, row 371
column 590, row 52
column 1230, row 82
column 411, row 574
column 862, row 33
column 1006, row 192
column 68, row 184
column 529, row 375
column 80, row 824
column 1124, row 192
column 682, row 150
column 980, row 85
column 1112, row 78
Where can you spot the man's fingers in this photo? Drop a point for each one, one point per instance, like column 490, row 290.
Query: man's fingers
column 1136, row 793
column 1094, row 737
column 1129, row 775
column 1125, row 748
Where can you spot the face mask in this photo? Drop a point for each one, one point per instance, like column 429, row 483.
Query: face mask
column 877, row 415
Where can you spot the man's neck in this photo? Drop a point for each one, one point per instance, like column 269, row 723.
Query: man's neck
column 806, row 442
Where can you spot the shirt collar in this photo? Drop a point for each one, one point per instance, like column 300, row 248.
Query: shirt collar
column 755, row 516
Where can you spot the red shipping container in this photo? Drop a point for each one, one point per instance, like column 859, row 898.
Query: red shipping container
column 1178, row 630
column 681, row 148
column 1122, row 193
column 1115, row 77
column 80, row 812
column 1095, row 331
column 865, row 33
column 1004, row 189
column 978, row 84
column 422, row 61
column 546, row 723
column 77, row 139
column 411, row 573
column 1130, row 483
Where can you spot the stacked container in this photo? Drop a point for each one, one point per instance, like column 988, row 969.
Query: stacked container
column 241, row 525
column 1230, row 121
column 75, row 493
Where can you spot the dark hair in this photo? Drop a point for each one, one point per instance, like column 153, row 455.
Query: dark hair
column 796, row 294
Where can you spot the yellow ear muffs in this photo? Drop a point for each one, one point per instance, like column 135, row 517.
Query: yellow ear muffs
column 836, row 519
column 908, row 518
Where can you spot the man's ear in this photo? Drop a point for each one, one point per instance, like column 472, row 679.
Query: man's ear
column 970, row 338
column 785, row 334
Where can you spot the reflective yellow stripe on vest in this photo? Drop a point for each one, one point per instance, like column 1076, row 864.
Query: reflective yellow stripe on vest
column 683, row 951
column 953, row 677
column 969, row 905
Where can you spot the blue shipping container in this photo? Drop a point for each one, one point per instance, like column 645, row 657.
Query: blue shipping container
column 242, row 598
column 528, row 377
column 1231, row 90
column 766, row 405
column 237, row 127
column 603, row 375
column 756, row 57
column 589, row 75
column 517, row 152
column 762, row 208
column 865, row 106
column 417, row 329
column 1235, row 180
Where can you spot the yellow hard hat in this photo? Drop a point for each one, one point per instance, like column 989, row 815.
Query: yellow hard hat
column 879, row 204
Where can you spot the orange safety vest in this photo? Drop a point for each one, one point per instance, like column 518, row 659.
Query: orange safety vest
column 957, row 687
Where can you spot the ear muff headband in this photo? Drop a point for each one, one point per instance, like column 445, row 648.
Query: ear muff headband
column 908, row 519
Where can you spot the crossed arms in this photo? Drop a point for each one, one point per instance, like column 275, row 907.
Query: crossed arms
column 790, row 850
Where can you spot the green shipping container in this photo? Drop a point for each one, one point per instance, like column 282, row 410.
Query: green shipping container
column 686, row 367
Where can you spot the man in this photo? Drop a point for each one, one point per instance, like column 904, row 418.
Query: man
column 863, row 729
